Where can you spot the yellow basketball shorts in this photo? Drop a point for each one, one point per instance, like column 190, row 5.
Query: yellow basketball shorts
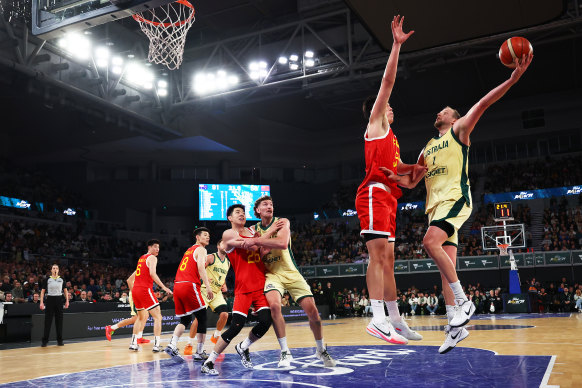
column 450, row 216
column 293, row 282
column 217, row 301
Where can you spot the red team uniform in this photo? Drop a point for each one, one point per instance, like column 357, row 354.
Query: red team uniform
column 249, row 280
column 143, row 286
column 187, row 297
column 376, row 199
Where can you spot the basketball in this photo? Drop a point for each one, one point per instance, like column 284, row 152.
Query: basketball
column 514, row 48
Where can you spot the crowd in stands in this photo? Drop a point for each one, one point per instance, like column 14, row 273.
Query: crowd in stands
column 562, row 226
column 555, row 297
column 86, row 281
column 532, row 175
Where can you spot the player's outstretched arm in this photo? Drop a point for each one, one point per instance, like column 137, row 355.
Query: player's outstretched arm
column 200, row 256
column 389, row 76
column 232, row 240
column 465, row 125
column 153, row 262
column 406, row 181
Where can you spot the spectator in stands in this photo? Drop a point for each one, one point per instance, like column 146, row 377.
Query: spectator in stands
column 6, row 285
column 329, row 298
column 413, row 301
column 422, row 302
column 432, row 303
column 18, row 293
column 543, row 301
column 578, row 300
column 35, row 298
column 478, row 301
column 365, row 305
column 83, row 298
column 403, row 305
column 90, row 297
column 8, row 299
column 567, row 301
column 285, row 300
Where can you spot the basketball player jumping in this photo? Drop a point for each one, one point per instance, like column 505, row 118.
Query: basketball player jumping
column 217, row 266
column 187, row 298
column 143, row 295
column 448, row 199
column 282, row 274
column 249, row 280
column 376, row 202
column 109, row 330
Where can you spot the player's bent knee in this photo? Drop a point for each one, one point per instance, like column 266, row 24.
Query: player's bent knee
column 186, row 320
column 264, row 324
column 236, row 325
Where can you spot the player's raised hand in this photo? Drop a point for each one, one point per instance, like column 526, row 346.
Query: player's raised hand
column 397, row 32
column 521, row 66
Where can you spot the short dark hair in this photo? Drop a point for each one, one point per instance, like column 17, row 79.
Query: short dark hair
column 153, row 241
column 234, row 206
column 258, row 202
column 456, row 113
column 218, row 242
column 367, row 106
column 199, row 230
column 54, row 265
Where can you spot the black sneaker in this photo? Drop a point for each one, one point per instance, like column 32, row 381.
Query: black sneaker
column 208, row 368
column 200, row 356
column 44, row 344
column 245, row 356
column 174, row 353
column 61, row 343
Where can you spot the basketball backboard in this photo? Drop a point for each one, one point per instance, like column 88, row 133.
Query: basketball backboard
column 53, row 18
column 510, row 234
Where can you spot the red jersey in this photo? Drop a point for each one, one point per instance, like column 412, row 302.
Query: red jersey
column 188, row 269
column 142, row 273
column 249, row 270
column 381, row 152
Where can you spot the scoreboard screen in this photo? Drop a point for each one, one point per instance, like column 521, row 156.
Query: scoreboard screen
column 503, row 210
column 214, row 199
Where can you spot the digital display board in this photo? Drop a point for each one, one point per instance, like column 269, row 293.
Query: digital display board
column 503, row 210
column 214, row 199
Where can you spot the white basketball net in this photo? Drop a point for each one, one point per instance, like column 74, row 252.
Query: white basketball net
column 166, row 28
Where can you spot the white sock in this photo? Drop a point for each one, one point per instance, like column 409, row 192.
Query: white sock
column 157, row 340
column 114, row 327
column 134, row 339
column 216, row 333
column 319, row 344
column 393, row 312
column 200, row 347
column 378, row 311
column 140, row 334
column 458, row 290
column 190, row 341
column 283, row 344
column 450, row 312
column 213, row 356
column 174, row 340
column 246, row 343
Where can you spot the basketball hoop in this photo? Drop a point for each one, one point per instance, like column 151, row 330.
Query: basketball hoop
column 503, row 249
column 166, row 28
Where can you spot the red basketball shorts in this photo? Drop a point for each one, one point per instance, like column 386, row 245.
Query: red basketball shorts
column 376, row 209
column 243, row 301
column 187, row 298
column 144, row 298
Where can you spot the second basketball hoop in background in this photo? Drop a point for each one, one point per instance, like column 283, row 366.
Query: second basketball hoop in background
column 166, row 27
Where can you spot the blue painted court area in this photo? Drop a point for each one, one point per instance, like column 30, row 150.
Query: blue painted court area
column 363, row 366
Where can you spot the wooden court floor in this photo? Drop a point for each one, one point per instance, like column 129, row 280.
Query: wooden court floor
column 558, row 336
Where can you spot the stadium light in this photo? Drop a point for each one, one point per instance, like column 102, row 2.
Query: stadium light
column 293, row 66
column 309, row 63
column 309, row 54
column 139, row 75
column 77, row 45
column 293, row 57
column 162, row 84
column 282, row 60
column 207, row 83
column 102, row 56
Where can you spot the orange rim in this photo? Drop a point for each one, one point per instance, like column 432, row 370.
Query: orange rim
column 140, row 18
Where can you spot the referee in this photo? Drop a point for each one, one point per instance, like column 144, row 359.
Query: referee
column 54, row 304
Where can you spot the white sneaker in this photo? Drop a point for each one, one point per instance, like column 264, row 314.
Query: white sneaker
column 245, row 356
column 208, row 369
column 173, row 352
column 403, row 329
column 324, row 356
column 134, row 347
column 285, row 359
column 454, row 335
column 385, row 332
column 463, row 313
